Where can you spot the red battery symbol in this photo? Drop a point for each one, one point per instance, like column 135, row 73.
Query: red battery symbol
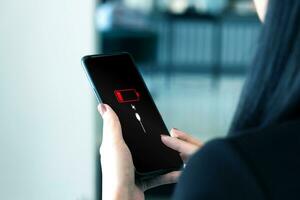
column 127, row 95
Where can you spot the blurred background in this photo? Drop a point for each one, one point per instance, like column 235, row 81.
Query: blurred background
column 193, row 54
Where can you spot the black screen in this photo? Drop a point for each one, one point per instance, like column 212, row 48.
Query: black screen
column 119, row 84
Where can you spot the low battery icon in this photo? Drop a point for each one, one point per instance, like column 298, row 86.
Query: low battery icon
column 127, row 95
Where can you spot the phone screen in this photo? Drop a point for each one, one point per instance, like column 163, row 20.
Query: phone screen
column 118, row 83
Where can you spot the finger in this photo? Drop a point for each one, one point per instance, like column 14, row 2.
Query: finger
column 165, row 179
column 178, row 145
column 111, row 125
column 184, row 136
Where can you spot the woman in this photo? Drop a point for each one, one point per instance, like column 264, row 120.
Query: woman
column 261, row 158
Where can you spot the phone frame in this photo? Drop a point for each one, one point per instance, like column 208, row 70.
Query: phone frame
column 139, row 175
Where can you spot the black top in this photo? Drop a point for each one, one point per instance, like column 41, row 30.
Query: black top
column 258, row 164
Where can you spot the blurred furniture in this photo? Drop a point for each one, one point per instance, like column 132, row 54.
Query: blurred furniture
column 206, row 44
column 189, row 43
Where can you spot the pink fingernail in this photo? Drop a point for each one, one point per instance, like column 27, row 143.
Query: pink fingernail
column 163, row 136
column 102, row 109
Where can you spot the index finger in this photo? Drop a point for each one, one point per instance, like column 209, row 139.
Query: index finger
column 184, row 136
column 178, row 145
column 112, row 131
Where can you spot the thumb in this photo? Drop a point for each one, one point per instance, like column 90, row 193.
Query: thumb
column 112, row 131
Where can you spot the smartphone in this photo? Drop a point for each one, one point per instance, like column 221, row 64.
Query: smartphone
column 117, row 82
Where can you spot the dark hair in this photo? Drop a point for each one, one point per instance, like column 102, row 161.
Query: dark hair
column 271, row 93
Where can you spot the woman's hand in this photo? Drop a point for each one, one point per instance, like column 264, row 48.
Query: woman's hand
column 116, row 160
column 118, row 181
column 185, row 144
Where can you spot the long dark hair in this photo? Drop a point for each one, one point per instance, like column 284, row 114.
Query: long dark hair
column 271, row 93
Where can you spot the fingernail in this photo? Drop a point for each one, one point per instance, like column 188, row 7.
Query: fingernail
column 163, row 136
column 174, row 129
column 102, row 109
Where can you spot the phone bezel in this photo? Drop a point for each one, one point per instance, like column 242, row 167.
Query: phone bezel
column 139, row 175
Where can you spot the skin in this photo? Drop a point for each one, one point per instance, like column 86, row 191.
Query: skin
column 118, row 181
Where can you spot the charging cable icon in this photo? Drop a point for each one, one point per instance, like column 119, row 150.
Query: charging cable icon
column 138, row 118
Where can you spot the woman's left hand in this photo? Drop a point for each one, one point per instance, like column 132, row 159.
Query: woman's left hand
column 118, row 181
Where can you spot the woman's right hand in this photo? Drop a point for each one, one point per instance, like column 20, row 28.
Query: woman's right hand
column 182, row 142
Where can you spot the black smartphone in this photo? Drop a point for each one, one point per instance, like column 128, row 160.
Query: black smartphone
column 117, row 82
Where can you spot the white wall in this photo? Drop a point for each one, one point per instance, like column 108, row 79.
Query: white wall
column 46, row 107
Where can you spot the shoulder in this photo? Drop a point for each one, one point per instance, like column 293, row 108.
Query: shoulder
column 217, row 172
column 258, row 164
column 273, row 154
